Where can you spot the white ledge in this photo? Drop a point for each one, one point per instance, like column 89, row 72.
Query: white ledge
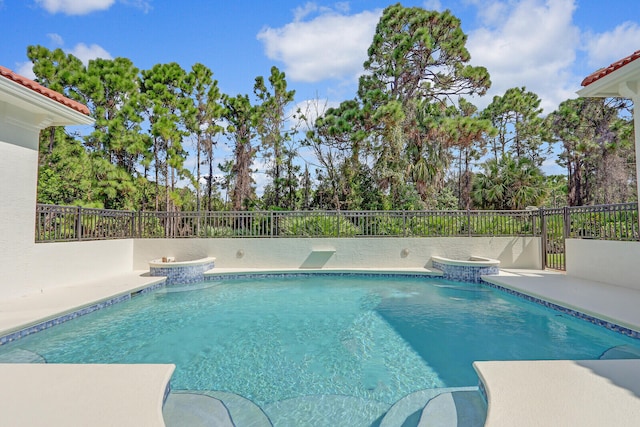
column 158, row 263
column 475, row 261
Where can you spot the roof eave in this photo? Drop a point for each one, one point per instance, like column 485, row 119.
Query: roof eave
column 612, row 85
column 57, row 114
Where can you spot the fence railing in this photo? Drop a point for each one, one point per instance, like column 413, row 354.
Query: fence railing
column 604, row 222
column 66, row 223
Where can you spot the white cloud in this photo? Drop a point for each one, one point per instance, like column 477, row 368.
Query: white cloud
column 75, row 7
column 143, row 5
column 432, row 5
column 530, row 43
column 332, row 45
column 492, row 13
column 25, row 69
column 56, row 39
column 604, row 48
column 84, row 53
column 311, row 109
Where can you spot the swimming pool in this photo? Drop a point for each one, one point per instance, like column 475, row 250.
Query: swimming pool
column 271, row 340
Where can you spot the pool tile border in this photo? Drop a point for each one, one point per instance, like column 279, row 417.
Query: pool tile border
column 236, row 276
column 569, row 311
column 46, row 324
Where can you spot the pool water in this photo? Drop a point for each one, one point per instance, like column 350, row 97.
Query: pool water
column 272, row 339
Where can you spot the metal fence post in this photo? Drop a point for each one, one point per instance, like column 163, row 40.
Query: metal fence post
column 271, row 219
column 543, row 237
column 404, row 222
column 79, row 224
column 468, row 223
column 566, row 220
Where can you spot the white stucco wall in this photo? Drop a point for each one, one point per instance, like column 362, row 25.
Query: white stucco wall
column 24, row 266
column 604, row 261
column 18, row 180
column 515, row 252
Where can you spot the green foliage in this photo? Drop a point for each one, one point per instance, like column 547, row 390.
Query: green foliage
column 242, row 121
column 508, row 184
column 219, row 232
column 68, row 175
column 317, row 226
column 605, row 225
column 597, row 150
column 520, row 128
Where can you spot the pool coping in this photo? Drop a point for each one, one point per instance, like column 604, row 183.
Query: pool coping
column 587, row 393
column 610, row 306
column 31, row 313
column 36, row 394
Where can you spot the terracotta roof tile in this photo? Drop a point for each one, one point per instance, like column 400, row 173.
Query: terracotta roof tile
column 610, row 69
column 37, row 87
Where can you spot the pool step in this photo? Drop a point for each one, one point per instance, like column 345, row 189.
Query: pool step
column 457, row 409
column 212, row 408
column 20, row 355
column 325, row 411
column 621, row 352
column 460, row 406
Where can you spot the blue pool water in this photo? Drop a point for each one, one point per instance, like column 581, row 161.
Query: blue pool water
column 272, row 339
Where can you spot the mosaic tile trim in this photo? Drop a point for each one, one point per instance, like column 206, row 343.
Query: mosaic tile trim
column 235, row 276
column 466, row 273
column 183, row 275
column 13, row 336
column 568, row 311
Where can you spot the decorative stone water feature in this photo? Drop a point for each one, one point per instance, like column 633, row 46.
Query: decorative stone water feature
column 181, row 272
column 469, row 270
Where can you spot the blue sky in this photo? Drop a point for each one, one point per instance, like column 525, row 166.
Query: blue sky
column 547, row 46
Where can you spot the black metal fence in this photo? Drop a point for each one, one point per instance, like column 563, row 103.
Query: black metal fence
column 607, row 222
column 65, row 223
column 602, row 222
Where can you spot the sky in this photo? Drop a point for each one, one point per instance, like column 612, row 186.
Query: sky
column 546, row 46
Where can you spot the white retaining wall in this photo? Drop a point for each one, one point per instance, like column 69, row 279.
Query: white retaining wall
column 604, row 261
column 514, row 252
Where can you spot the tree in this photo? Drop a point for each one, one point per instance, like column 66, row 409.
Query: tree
column 468, row 134
column 419, row 54
column 204, row 123
column 338, row 138
column 167, row 108
column 509, row 183
column 516, row 116
column 242, row 119
column 57, row 71
column 69, row 175
column 416, row 57
column 110, row 89
column 271, row 127
column 597, row 149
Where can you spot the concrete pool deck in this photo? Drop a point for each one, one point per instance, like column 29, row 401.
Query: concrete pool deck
column 24, row 311
column 572, row 384
column 562, row 393
column 83, row 395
